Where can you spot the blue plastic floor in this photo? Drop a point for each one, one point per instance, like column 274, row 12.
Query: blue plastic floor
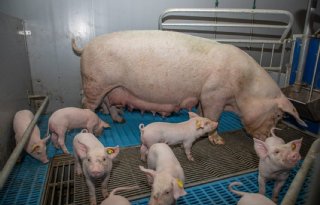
column 26, row 182
column 217, row 192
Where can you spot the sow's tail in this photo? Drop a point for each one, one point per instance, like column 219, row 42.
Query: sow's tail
column 240, row 193
column 126, row 188
column 75, row 48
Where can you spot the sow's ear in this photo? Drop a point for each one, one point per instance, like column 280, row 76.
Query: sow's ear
column 286, row 106
column 261, row 148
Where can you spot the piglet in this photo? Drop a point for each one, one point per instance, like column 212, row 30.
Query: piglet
column 250, row 198
column 165, row 174
column 70, row 118
column 276, row 161
column 116, row 199
column 35, row 146
column 175, row 133
column 96, row 161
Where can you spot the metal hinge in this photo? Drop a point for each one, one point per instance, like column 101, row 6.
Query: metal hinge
column 25, row 33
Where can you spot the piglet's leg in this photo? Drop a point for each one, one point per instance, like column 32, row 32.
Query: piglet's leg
column 143, row 152
column 187, row 149
column 92, row 191
column 104, row 186
column 54, row 140
column 77, row 165
column 61, row 137
column 262, row 185
column 277, row 187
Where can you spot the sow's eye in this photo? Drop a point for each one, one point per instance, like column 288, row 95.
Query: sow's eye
column 293, row 146
column 276, row 151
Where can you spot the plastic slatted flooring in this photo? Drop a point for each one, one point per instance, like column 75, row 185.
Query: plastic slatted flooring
column 26, row 182
column 217, row 192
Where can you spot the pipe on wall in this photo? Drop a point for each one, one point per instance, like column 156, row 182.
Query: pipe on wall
column 18, row 149
column 304, row 47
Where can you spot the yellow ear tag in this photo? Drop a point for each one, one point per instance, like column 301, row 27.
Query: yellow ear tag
column 180, row 183
column 34, row 147
column 293, row 146
column 198, row 124
column 110, row 151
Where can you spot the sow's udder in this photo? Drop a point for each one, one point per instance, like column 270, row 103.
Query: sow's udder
column 122, row 97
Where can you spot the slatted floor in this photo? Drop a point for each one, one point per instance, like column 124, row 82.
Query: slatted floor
column 26, row 183
column 212, row 162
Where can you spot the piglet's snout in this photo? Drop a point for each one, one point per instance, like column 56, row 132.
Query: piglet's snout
column 294, row 157
column 96, row 171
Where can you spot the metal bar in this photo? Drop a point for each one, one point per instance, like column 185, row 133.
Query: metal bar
column 196, row 12
column 18, row 149
column 281, row 59
column 55, row 185
column 313, row 195
column 61, row 184
column 210, row 25
column 314, row 75
column 68, row 184
column 289, row 67
column 253, row 41
column 261, row 55
column 272, row 68
column 304, row 49
column 271, row 58
column 294, row 189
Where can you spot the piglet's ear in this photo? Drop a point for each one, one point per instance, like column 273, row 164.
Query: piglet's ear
column 112, row 151
column 261, row 148
column 82, row 149
column 296, row 145
column 192, row 115
column 178, row 189
column 35, row 148
column 199, row 124
column 149, row 172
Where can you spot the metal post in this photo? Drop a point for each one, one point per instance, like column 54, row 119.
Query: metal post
column 304, row 49
column 314, row 75
column 18, row 149
column 294, row 189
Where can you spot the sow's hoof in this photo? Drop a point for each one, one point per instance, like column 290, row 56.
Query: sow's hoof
column 119, row 120
column 216, row 139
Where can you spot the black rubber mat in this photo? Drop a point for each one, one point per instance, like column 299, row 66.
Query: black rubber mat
column 212, row 162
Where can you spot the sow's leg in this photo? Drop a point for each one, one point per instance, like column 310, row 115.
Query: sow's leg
column 113, row 110
column 212, row 108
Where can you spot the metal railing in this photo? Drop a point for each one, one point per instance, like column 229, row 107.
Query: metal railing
column 18, row 149
column 241, row 27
